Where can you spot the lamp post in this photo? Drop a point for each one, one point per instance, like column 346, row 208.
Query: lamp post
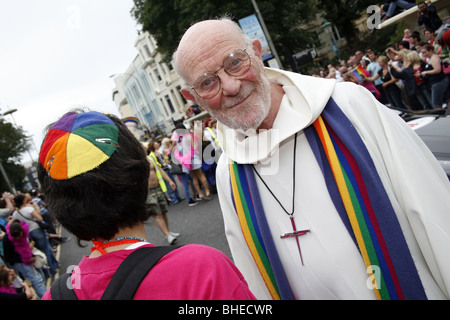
column 328, row 27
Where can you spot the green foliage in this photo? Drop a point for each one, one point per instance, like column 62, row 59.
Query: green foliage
column 13, row 142
column 168, row 20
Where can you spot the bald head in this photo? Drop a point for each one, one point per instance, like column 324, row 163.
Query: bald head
column 204, row 39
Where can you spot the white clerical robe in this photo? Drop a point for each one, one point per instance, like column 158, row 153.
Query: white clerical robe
column 333, row 267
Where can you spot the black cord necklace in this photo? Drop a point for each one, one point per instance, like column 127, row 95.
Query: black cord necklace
column 295, row 233
column 293, row 182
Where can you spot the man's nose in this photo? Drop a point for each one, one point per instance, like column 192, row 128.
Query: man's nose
column 230, row 85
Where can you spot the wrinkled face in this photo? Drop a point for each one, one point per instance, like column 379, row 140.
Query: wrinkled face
column 242, row 102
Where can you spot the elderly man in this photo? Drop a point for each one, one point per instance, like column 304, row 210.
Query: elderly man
column 326, row 194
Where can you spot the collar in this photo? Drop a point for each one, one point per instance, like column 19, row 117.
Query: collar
column 301, row 105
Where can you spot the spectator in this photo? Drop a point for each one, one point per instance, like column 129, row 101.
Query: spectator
column 31, row 214
column 394, row 4
column 414, row 40
column 406, row 73
column 373, row 68
column 436, row 77
column 427, row 15
column 418, row 66
column 393, row 92
column 18, row 254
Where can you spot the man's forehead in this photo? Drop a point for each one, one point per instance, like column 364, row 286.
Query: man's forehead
column 205, row 45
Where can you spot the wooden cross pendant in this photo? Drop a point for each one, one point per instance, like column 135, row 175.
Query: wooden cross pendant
column 296, row 233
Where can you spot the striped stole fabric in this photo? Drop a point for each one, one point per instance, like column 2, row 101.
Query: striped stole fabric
column 360, row 199
column 255, row 229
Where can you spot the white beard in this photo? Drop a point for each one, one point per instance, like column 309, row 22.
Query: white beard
column 251, row 116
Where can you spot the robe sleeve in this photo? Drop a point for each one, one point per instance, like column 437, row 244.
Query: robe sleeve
column 416, row 183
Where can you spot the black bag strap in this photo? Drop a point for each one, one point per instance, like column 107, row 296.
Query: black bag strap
column 125, row 281
column 60, row 290
column 128, row 277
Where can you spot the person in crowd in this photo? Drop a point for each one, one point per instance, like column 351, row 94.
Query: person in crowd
column 99, row 195
column 185, row 177
column 427, row 15
column 374, row 67
column 289, row 143
column 394, row 5
column 414, row 40
column 156, row 202
column 163, row 162
column 31, row 214
column 436, row 77
column 393, row 93
column 18, row 254
column 188, row 153
column 13, row 288
column 6, row 208
column 422, row 83
column 407, row 74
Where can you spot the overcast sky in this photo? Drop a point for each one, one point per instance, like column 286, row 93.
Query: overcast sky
column 58, row 54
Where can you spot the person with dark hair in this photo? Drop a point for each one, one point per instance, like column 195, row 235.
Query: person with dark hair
column 19, row 255
column 94, row 174
column 436, row 77
column 427, row 15
column 13, row 287
column 31, row 214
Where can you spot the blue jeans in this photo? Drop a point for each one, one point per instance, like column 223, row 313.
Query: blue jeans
column 400, row 3
column 185, row 177
column 40, row 238
column 394, row 96
column 173, row 194
column 31, row 274
column 439, row 93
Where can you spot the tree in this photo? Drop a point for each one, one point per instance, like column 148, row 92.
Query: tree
column 166, row 20
column 13, row 142
column 343, row 14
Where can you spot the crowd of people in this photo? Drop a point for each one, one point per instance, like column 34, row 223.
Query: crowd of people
column 28, row 244
column 414, row 75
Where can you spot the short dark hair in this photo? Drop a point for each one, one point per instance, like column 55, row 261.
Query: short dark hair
column 99, row 202
column 15, row 229
column 19, row 199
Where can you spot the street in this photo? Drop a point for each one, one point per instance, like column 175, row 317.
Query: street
column 200, row 224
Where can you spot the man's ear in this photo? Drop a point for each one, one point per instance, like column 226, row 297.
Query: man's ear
column 257, row 48
column 187, row 95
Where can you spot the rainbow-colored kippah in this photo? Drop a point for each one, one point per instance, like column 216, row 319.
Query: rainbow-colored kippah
column 77, row 143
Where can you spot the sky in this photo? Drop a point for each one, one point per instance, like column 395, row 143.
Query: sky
column 56, row 55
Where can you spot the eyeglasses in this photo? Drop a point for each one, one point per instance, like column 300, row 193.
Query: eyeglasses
column 236, row 64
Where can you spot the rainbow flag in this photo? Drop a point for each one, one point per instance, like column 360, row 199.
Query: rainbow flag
column 360, row 200
column 360, row 73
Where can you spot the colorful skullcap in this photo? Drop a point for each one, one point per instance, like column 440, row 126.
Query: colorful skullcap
column 77, row 143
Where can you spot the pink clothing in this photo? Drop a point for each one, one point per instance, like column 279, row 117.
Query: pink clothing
column 192, row 272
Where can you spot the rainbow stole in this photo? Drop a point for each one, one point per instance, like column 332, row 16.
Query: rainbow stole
column 360, row 199
column 360, row 73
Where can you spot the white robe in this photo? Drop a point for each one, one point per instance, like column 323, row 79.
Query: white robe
column 333, row 267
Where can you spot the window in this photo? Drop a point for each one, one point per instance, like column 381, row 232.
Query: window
column 158, row 76
column 169, row 102
column 147, row 50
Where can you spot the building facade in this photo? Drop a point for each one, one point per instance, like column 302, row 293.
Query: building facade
column 150, row 89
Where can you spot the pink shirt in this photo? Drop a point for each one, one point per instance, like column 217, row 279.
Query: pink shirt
column 192, row 272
